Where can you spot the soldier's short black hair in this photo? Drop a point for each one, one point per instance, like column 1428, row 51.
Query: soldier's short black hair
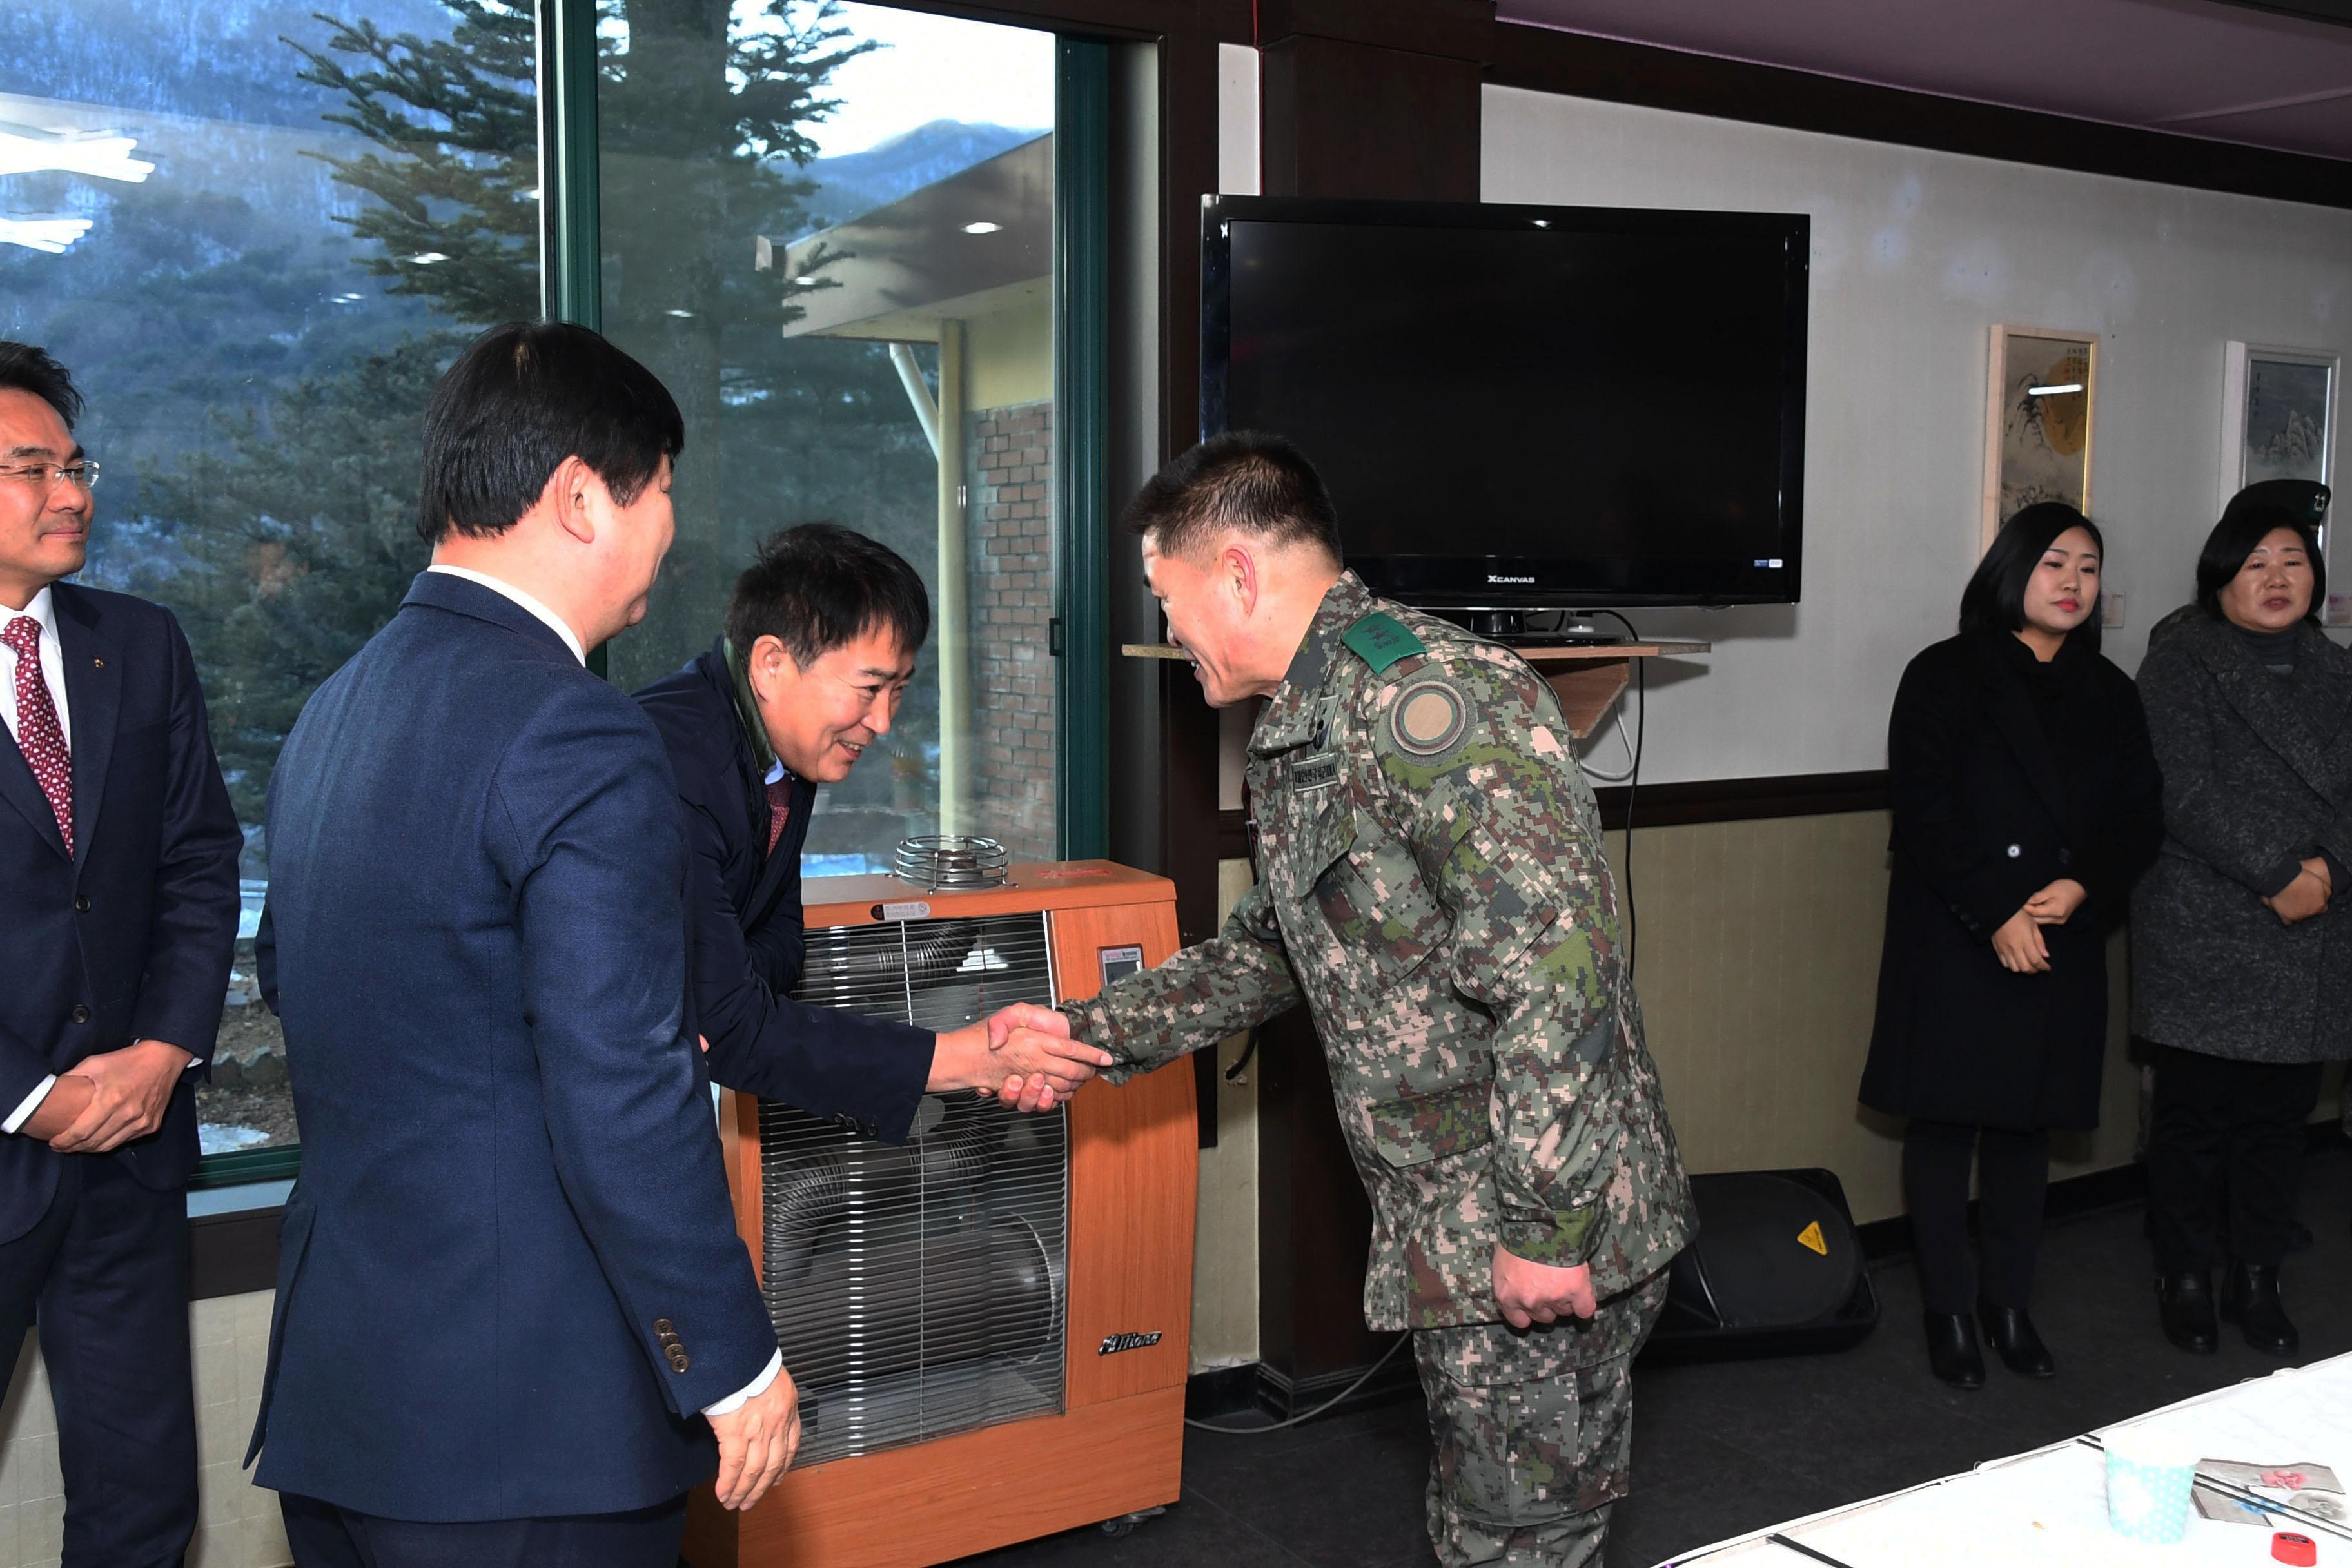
column 521, row 399
column 1245, row 480
column 1994, row 599
column 818, row 587
column 2233, row 539
column 25, row 368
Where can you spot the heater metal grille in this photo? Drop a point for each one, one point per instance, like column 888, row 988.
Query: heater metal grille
column 919, row 1290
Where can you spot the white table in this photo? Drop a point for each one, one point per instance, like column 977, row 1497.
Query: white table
column 2049, row 1507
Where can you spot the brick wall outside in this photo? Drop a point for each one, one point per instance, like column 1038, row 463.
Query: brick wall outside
column 1009, row 511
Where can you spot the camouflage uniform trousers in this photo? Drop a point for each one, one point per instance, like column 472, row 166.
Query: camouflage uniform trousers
column 1530, row 1448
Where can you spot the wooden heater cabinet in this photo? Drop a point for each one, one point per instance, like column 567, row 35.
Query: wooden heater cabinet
column 1123, row 1293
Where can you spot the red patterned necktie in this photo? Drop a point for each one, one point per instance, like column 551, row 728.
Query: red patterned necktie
column 780, row 809
column 39, row 734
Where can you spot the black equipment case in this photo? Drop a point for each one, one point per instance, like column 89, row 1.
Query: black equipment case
column 1777, row 1269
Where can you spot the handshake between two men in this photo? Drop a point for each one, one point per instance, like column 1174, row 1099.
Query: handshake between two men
column 1023, row 1055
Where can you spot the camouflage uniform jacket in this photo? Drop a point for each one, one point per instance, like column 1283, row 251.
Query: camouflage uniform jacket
column 1432, row 886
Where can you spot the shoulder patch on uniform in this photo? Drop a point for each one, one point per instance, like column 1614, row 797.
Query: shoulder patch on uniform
column 1428, row 717
column 1381, row 639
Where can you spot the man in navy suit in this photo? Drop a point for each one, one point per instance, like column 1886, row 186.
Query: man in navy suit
column 118, row 871
column 822, row 633
column 512, row 1309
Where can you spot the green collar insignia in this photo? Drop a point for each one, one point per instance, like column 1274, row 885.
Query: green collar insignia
column 1381, row 640
column 747, row 709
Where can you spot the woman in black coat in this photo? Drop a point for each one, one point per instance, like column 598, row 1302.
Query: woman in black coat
column 2242, row 959
column 2026, row 801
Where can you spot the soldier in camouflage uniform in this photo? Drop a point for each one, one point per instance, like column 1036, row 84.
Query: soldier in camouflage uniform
column 1432, row 885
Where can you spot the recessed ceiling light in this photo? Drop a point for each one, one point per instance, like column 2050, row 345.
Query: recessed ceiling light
column 983, row 226
column 427, row 258
column 1543, row 223
column 682, row 315
column 805, row 281
column 2060, row 390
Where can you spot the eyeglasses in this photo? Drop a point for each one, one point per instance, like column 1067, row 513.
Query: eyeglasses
column 82, row 476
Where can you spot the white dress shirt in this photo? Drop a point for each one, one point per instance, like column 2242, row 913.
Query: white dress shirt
column 760, row 1385
column 53, row 675
column 504, row 589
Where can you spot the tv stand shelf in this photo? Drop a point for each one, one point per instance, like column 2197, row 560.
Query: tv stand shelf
column 1588, row 677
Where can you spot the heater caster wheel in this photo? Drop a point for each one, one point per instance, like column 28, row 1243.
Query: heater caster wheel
column 1124, row 1523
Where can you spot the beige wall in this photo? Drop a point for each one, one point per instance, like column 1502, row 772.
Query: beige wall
column 1756, row 963
column 1224, row 1257
column 1915, row 256
column 238, row 1523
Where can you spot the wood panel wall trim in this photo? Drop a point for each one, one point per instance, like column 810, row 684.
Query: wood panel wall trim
column 1544, row 59
column 1680, row 805
column 1744, row 800
column 1455, row 30
column 233, row 1253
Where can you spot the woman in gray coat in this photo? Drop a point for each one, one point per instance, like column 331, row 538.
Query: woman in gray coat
column 2241, row 962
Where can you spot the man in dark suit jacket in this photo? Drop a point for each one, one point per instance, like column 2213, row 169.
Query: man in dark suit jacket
column 118, row 869
column 512, row 1308
column 821, row 633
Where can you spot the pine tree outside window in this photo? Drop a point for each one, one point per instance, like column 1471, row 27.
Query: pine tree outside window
column 257, row 231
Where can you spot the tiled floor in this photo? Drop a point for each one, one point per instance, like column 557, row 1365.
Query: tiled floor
column 1720, row 1449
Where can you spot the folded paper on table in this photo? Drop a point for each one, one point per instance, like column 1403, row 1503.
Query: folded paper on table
column 2307, row 1488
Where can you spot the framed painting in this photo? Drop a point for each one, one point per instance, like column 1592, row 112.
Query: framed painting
column 2041, row 393
column 2278, row 415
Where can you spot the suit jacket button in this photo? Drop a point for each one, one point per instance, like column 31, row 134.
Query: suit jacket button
column 2065, row 856
column 80, row 1014
column 664, row 1326
column 2014, row 851
column 678, row 1360
column 81, row 903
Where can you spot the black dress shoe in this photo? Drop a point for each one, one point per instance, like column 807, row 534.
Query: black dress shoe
column 2184, row 1300
column 1952, row 1352
column 2249, row 1299
column 2011, row 1335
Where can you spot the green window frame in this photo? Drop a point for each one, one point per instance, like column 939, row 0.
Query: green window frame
column 571, row 290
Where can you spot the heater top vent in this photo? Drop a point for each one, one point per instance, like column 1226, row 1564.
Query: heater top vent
column 936, row 861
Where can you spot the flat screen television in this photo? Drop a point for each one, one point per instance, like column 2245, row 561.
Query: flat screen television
column 1525, row 407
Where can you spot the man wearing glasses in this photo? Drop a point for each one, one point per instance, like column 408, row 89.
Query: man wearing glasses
column 118, row 871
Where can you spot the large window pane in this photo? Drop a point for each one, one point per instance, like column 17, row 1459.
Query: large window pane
column 256, row 230
column 829, row 229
